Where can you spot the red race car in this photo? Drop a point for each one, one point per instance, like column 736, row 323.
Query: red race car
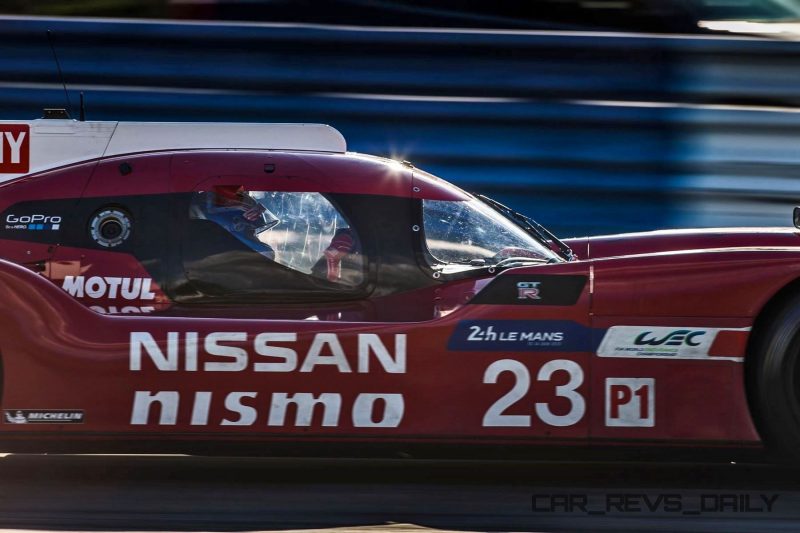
column 222, row 286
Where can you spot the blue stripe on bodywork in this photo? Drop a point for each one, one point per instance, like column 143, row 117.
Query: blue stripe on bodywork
column 521, row 336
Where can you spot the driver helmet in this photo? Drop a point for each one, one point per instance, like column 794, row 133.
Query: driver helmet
column 233, row 208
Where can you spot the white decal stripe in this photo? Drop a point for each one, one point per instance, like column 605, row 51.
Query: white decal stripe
column 663, row 342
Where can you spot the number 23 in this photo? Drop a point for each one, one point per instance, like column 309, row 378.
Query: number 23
column 495, row 416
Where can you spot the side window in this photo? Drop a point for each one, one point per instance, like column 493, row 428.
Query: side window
column 270, row 241
column 313, row 237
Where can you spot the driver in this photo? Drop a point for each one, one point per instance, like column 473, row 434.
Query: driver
column 233, row 208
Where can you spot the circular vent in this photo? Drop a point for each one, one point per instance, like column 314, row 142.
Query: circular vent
column 110, row 227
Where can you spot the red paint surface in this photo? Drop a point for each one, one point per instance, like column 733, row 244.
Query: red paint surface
column 59, row 354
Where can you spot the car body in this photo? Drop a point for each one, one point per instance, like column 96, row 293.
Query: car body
column 176, row 284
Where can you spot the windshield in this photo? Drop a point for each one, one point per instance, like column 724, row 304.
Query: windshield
column 469, row 234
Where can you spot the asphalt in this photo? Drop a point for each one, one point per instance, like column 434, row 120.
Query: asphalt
column 182, row 493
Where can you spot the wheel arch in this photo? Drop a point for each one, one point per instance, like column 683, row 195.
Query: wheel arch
column 768, row 313
column 769, row 310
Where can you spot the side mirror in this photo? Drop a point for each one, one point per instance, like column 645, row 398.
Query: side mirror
column 796, row 217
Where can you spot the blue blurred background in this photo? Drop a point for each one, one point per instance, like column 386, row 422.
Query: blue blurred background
column 592, row 123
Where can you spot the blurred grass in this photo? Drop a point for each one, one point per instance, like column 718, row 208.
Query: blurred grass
column 86, row 8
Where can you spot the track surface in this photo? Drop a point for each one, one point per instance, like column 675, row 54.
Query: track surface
column 194, row 493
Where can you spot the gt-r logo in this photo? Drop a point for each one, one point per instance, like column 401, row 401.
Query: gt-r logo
column 631, row 402
column 15, row 152
column 528, row 290
column 674, row 338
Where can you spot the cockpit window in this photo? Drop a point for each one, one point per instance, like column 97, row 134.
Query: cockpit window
column 468, row 234
column 239, row 212
column 242, row 240
column 310, row 228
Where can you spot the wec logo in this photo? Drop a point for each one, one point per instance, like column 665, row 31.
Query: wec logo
column 674, row 338
column 14, row 148
column 673, row 342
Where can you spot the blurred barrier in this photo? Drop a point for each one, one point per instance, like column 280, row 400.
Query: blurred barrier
column 589, row 133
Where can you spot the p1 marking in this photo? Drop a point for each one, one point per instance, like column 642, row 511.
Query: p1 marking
column 630, row 402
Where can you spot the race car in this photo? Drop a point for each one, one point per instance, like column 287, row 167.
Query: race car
column 170, row 286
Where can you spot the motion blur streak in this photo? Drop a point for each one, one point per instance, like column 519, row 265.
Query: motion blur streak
column 590, row 132
column 789, row 30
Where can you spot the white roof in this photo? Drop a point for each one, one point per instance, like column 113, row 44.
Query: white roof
column 54, row 143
